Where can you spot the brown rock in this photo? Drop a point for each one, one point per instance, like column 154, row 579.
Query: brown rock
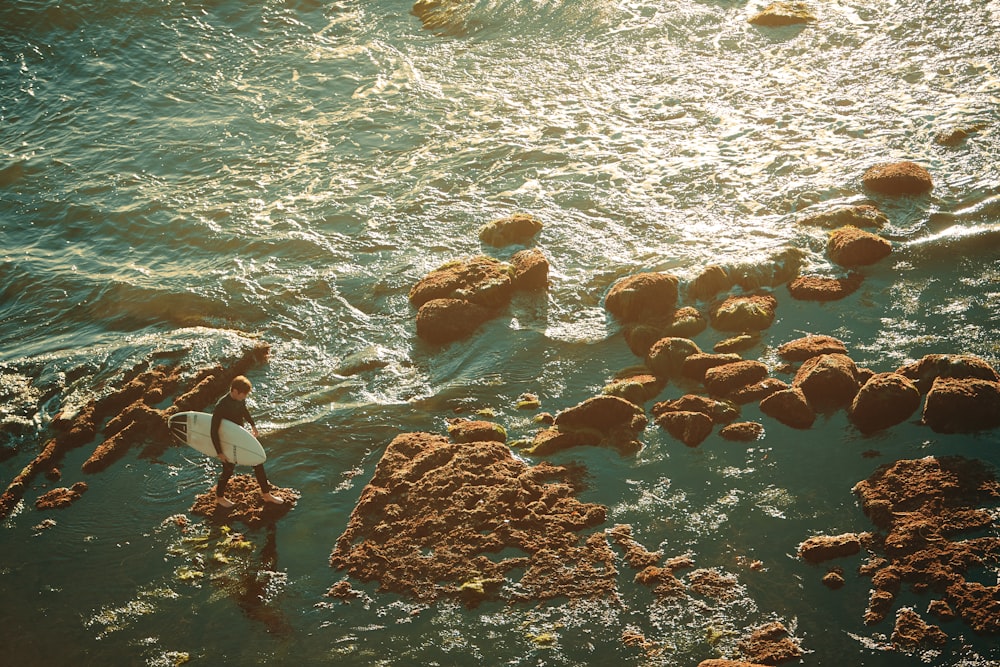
column 728, row 378
column 721, row 412
column 779, row 14
column 941, row 609
column 61, row 497
column 790, row 407
column 757, row 392
column 636, row 389
column 737, row 344
column 962, row 405
column 686, row 322
column 709, row 282
column 911, row 632
column 722, row 662
column 602, row 421
column 691, row 428
column 696, row 365
column 743, row 432
column 808, row 347
column 644, row 296
column 861, row 215
column 531, row 270
column 516, row 229
column 851, row 246
column 249, row 507
column 834, row 579
column 666, row 357
column 488, row 516
column 745, row 313
column 770, row 644
column 825, row 547
column 898, row 178
column 932, row 366
column 480, row 280
column 828, row 381
column 817, row 288
column 884, row 400
column 603, row 413
column 467, row 430
column 441, row 321
column 927, row 508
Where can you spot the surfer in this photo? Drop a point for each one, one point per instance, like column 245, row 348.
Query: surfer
column 233, row 407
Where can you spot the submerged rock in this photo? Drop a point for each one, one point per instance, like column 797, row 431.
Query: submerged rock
column 898, row 178
column 861, row 215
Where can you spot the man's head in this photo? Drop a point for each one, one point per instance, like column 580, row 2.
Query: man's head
column 240, row 387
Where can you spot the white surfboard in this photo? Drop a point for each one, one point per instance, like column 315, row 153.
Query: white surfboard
column 238, row 444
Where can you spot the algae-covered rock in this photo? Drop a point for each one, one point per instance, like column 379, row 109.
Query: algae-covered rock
column 861, row 215
column 811, row 346
column 779, row 14
column 481, row 280
column 898, row 178
column 745, row 313
column 443, row 321
column 885, row 400
column 851, row 246
column 666, row 357
column 643, row 296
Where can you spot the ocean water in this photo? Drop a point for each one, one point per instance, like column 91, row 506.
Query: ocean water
column 180, row 176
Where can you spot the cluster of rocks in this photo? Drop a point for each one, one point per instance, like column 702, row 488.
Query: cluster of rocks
column 456, row 299
column 925, row 511
column 126, row 417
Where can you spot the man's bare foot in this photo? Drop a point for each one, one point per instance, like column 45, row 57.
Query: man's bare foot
column 270, row 498
column 224, row 503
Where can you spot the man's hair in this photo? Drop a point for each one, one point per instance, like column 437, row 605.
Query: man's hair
column 240, row 384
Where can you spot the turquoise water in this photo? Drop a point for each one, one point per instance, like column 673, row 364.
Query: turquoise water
column 179, row 177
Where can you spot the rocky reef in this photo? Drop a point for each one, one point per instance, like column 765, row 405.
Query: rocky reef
column 934, row 520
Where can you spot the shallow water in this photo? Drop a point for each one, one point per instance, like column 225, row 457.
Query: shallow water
column 177, row 176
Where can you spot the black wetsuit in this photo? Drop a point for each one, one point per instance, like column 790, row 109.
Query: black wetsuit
column 236, row 412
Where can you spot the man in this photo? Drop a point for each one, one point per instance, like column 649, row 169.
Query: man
column 233, row 407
